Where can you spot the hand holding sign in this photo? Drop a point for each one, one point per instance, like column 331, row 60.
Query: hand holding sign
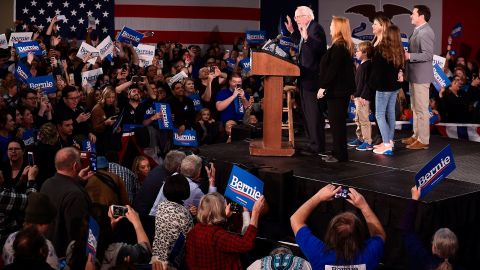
column 416, row 193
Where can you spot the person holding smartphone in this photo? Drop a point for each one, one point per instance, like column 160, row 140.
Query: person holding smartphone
column 232, row 102
column 104, row 116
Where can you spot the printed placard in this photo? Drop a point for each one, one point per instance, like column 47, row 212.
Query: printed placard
column 246, row 64
column 86, row 49
column 23, row 48
column 3, row 42
column 243, row 187
column 19, row 37
column 45, row 84
column 91, row 23
column 255, row 37
column 92, row 238
column 105, row 48
column 286, row 43
column 187, row 139
column 440, row 79
column 179, row 76
column 435, row 171
column 22, row 72
column 166, row 121
column 145, row 54
column 128, row 128
column 130, row 36
column 439, row 60
column 197, row 102
column 92, row 75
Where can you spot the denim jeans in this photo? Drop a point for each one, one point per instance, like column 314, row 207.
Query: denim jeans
column 385, row 113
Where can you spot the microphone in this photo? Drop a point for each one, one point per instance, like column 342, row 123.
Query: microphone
column 277, row 38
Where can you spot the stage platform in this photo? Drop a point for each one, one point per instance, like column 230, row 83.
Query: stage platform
column 385, row 181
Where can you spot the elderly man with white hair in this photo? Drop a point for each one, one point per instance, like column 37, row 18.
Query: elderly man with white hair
column 312, row 45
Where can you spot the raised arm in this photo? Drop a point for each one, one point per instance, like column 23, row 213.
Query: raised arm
column 374, row 226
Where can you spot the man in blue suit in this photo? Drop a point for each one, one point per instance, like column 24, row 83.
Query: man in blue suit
column 312, row 45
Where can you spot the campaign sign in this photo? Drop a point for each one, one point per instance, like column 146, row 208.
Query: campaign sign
column 145, row 54
column 255, row 37
column 22, row 73
column 23, row 48
column 435, row 170
column 351, row 110
column 19, row 37
column 286, row 43
column 43, row 83
column 166, row 121
column 88, row 146
column 438, row 60
column 91, row 75
column 105, row 48
column 456, row 30
column 243, row 188
column 129, row 36
column 440, row 79
column 188, row 138
column 196, row 101
column 86, row 49
column 127, row 128
column 179, row 76
column 92, row 237
column 3, row 41
column 230, row 64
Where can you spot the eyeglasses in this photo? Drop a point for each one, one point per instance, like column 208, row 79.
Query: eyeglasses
column 74, row 98
column 300, row 16
column 32, row 98
column 14, row 149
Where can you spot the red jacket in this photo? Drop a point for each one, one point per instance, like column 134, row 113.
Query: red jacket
column 212, row 247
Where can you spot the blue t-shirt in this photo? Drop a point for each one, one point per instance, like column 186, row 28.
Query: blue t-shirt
column 320, row 258
column 230, row 112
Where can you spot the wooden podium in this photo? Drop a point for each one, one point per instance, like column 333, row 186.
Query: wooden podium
column 273, row 68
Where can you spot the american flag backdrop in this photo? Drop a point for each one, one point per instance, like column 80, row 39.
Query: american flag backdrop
column 184, row 21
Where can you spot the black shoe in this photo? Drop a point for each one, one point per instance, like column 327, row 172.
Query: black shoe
column 330, row 159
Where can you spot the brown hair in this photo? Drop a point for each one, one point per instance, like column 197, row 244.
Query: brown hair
column 391, row 46
column 345, row 235
column 384, row 22
column 366, row 48
column 341, row 33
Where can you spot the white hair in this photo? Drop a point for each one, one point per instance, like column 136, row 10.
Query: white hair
column 304, row 9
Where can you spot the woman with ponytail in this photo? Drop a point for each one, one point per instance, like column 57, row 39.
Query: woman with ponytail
column 444, row 243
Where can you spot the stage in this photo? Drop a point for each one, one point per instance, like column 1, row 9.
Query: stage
column 385, row 181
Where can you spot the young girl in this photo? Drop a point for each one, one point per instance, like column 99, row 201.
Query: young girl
column 363, row 95
column 206, row 127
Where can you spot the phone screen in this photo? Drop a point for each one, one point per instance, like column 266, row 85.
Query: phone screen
column 119, row 211
column 31, row 159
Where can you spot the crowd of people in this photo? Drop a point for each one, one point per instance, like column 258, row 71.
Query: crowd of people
column 174, row 218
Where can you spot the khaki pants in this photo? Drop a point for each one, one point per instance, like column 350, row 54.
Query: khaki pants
column 364, row 127
column 419, row 98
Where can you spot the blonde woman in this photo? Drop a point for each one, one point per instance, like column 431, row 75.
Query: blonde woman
column 209, row 245
column 103, row 118
column 379, row 26
column 337, row 84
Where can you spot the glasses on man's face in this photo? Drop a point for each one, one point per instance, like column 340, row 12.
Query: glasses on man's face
column 32, row 98
column 74, row 98
column 300, row 16
column 14, row 149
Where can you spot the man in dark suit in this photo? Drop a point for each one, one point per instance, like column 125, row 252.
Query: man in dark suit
column 312, row 44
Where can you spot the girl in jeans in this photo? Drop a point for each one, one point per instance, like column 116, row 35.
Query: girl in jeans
column 386, row 77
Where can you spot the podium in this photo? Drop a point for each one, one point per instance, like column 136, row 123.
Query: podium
column 273, row 68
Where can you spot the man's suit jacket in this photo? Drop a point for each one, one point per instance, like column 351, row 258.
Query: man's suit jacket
column 420, row 47
column 311, row 53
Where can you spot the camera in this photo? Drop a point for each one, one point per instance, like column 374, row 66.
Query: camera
column 136, row 79
column 235, row 207
column 342, row 193
column 118, row 210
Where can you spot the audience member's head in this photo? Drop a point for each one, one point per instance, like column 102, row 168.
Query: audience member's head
column 211, row 209
column 71, row 96
column 445, row 246
column 345, row 235
column 48, row 134
column 191, row 167
column 141, row 167
column 67, row 161
column 173, row 160
column 176, row 188
column 30, row 245
column 7, row 123
column 40, row 211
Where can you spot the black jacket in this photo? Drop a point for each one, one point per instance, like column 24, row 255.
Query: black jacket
column 337, row 72
column 361, row 80
column 384, row 75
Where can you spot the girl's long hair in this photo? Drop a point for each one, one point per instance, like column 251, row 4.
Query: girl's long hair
column 391, row 46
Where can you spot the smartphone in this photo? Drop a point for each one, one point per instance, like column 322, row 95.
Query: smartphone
column 342, row 193
column 85, row 159
column 31, row 159
column 71, row 78
column 235, row 207
column 212, row 69
column 136, row 79
column 239, row 86
column 160, row 64
column 118, row 210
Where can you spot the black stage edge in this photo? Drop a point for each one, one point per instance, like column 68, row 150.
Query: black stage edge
column 384, row 181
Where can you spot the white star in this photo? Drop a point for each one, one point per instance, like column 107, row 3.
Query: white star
column 98, row 6
column 97, row 21
column 25, row 11
column 41, row 27
column 49, row 3
column 80, row 21
column 49, row 19
column 73, row 12
column 58, row 27
column 57, row 12
column 41, row 11
column 65, row 4
column 105, row 30
column 66, row 20
column 34, row 3
column 89, row 13
column 105, row 14
column 82, row 5
column 73, row 28
column 24, row 26
column 33, row 19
